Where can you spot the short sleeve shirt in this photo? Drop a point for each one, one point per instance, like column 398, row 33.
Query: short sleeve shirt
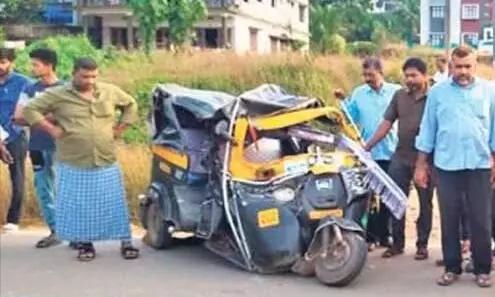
column 407, row 108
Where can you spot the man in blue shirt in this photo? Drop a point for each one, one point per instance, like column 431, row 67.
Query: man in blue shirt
column 366, row 107
column 11, row 85
column 42, row 145
column 458, row 127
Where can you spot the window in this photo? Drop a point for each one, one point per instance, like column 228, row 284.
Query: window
column 302, row 13
column 470, row 38
column 438, row 12
column 436, row 40
column 488, row 33
column 470, row 11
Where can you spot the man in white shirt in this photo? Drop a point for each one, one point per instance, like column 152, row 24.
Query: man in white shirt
column 442, row 69
column 4, row 153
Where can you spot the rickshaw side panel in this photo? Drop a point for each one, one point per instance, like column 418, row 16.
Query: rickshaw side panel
column 182, row 195
column 272, row 233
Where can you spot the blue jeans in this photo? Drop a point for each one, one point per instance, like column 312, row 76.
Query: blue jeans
column 44, row 176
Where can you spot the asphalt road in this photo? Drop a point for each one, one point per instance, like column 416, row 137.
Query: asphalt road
column 194, row 272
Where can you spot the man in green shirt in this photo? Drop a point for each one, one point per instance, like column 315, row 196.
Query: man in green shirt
column 91, row 201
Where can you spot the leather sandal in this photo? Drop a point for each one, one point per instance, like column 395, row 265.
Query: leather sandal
column 483, row 281
column 447, row 279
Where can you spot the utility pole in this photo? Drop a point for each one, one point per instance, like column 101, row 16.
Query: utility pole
column 447, row 27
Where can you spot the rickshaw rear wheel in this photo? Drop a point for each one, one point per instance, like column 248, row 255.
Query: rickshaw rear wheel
column 157, row 234
column 343, row 262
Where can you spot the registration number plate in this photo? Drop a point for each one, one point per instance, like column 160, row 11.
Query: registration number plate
column 268, row 218
column 320, row 214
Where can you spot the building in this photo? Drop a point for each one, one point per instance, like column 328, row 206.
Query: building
column 59, row 12
column 261, row 26
column 470, row 21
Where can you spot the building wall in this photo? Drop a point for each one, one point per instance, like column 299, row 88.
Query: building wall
column 272, row 19
column 433, row 26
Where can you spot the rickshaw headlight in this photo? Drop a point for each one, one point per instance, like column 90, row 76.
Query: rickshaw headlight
column 284, row 194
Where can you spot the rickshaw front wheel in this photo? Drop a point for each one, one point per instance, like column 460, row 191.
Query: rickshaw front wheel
column 157, row 231
column 342, row 262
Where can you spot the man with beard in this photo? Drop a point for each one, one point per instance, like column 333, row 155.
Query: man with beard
column 11, row 86
column 91, row 203
column 460, row 133
column 41, row 144
column 407, row 108
column 366, row 106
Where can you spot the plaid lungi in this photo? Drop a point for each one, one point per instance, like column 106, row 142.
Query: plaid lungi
column 91, row 204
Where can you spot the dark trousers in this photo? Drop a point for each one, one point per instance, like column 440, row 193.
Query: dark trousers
column 18, row 150
column 464, row 228
column 378, row 230
column 475, row 185
column 402, row 174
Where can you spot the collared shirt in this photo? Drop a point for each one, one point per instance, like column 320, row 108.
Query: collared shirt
column 366, row 108
column 39, row 140
column 10, row 92
column 88, row 139
column 441, row 76
column 407, row 108
column 458, row 125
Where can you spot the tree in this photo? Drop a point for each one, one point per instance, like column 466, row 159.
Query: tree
column 20, row 11
column 181, row 16
column 149, row 14
column 324, row 25
column 404, row 21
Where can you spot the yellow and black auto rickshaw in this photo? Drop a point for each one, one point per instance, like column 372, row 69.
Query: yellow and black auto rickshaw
column 267, row 180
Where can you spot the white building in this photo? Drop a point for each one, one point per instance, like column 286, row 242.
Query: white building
column 261, row 26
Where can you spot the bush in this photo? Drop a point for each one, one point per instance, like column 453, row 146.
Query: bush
column 68, row 49
column 335, row 45
column 363, row 48
column 396, row 50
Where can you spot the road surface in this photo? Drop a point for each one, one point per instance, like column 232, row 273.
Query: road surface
column 193, row 272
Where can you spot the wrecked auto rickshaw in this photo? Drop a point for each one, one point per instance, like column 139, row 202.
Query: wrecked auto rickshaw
column 262, row 181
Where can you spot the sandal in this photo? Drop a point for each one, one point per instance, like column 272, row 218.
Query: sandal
column 87, row 252
column 421, row 254
column 129, row 252
column 50, row 240
column 483, row 281
column 392, row 252
column 447, row 279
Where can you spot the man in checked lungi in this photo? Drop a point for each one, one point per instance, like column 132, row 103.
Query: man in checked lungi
column 90, row 195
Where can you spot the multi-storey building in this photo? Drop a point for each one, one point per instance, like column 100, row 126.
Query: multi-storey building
column 470, row 21
column 261, row 26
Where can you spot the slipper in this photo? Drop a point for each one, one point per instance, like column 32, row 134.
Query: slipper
column 447, row 279
column 421, row 254
column 87, row 252
column 483, row 281
column 128, row 252
column 392, row 252
column 48, row 241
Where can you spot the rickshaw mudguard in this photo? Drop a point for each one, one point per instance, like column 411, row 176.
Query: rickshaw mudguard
column 343, row 223
column 273, row 247
column 168, row 205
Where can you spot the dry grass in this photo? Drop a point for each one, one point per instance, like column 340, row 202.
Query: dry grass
column 135, row 162
column 310, row 75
